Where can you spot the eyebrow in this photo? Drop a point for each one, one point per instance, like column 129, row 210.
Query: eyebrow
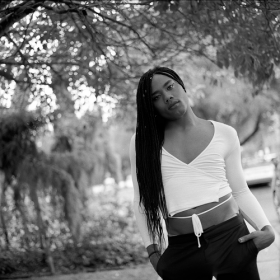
column 164, row 85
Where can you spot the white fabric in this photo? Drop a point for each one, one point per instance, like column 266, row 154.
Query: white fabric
column 206, row 210
column 197, row 227
column 214, row 173
column 184, row 183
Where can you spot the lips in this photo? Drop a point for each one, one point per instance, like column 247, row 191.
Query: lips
column 172, row 104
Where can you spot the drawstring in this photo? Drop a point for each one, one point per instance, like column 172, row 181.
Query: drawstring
column 197, row 227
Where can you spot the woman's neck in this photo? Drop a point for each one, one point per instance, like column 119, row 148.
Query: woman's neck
column 188, row 121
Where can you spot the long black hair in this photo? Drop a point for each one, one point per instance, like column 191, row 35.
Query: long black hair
column 148, row 144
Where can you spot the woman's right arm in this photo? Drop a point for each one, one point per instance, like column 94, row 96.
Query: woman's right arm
column 140, row 216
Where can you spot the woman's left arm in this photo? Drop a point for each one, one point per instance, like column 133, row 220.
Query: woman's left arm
column 247, row 202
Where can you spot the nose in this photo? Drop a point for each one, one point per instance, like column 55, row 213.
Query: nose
column 168, row 99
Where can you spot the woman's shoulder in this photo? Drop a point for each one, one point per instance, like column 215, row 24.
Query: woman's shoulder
column 223, row 126
column 225, row 129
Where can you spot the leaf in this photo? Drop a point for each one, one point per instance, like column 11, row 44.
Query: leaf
column 194, row 6
column 162, row 6
column 240, row 60
column 174, row 6
column 220, row 64
column 243, row 69
column 215, row 82
column 226, row 62
column 256, row 63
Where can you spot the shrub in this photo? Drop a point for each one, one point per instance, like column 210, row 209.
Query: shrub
column 110, row 239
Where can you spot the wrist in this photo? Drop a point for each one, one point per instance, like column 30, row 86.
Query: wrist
column 153, row 253
column 269, row 230
column 151, row 248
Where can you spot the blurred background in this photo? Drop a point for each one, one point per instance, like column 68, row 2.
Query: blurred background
column 68, row 77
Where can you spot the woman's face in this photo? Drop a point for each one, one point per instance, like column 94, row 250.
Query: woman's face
column 169, row 98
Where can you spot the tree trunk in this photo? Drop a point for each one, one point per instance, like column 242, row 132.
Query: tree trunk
column 252, row 131
column 72, row 206
column 21, row 208
column 2, row 182
column 2, row 199
column 64, row 98
column 3, row 223
column 42, row 230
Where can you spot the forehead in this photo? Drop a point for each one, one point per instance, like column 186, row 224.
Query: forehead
column 158, row 81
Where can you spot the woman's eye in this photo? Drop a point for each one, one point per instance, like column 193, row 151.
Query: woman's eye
column 155, row 98
column 170, row 87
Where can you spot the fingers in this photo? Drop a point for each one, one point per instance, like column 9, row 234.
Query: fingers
column 247, row 237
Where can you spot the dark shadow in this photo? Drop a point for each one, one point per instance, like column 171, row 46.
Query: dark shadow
column 261, row 185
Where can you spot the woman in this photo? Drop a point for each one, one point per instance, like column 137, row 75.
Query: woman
column 188, row 171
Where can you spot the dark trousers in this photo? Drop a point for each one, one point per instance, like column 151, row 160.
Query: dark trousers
column 220, row 254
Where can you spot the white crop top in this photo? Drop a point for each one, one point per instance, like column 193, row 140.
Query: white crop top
column 215, row 172
column 204, row 179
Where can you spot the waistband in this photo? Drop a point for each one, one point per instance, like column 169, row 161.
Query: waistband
column 209, row 232
column 196, row 223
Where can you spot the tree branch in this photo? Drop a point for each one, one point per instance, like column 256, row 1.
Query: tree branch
column 124, row 25
column 254, row 131
column 19, row 12
column 7, row 76
column 60, row 12
column 24, row 59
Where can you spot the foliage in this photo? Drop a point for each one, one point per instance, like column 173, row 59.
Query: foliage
column 216, row 94
column 82, row 145
column 63, row 55
column 48, row 192
column 89, row 48
column 111, row 239
column 17, row 140
column 24, row 166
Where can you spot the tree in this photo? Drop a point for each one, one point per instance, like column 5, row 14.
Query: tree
column 64, row 53
column 65, row 45
column 72, row 45
column 19, row 164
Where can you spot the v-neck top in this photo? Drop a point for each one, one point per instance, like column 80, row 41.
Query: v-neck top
column 215, row 172
column 166, row 152
column 201, row 181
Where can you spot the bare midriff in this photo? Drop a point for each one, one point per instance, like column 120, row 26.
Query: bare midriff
column 223, row 212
